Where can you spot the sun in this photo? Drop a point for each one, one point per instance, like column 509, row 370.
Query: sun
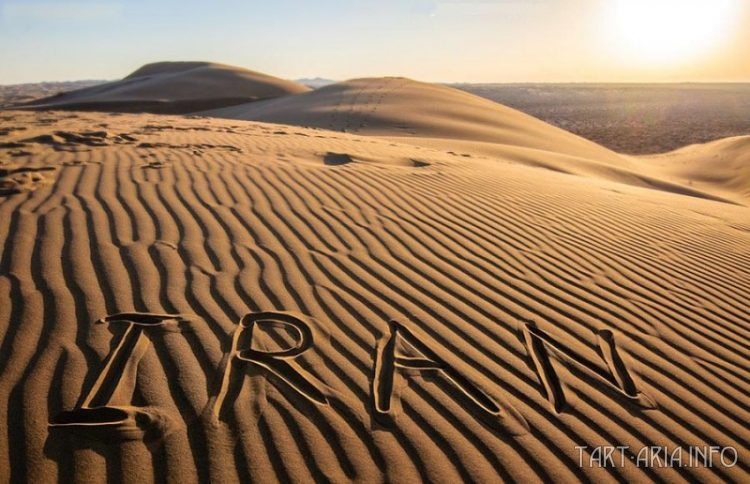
column 670, row 30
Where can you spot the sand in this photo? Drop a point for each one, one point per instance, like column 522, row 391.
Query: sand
column 430, row 115
column 395, row 106
column 173, row 87
column 192, row 299
column 722, row 167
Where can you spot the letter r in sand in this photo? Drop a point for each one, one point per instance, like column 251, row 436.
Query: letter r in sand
column 278, row 363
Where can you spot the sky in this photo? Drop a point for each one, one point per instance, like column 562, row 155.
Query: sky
column 429, row 40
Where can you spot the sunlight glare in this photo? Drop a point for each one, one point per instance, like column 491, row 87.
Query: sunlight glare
column 670, row 30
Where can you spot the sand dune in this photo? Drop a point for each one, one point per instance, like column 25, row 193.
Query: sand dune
column 395, row 106
column 721, row 167
column 441, row 117
column 201, row 300
column 174, row 87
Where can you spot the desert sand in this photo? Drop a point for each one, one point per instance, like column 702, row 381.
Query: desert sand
column 174, row 87
column 377, row 281
column 721, row 166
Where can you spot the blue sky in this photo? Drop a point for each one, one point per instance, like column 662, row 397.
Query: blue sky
column 444, row 40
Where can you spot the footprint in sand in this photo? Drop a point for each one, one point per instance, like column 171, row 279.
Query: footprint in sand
column 337, row 159
column 155, row 165
column 8, row 130
column 21, row 179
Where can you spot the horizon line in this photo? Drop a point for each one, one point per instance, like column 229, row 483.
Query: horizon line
column 333, row 81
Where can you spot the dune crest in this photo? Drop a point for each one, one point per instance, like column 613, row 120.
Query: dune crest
column 448, row 119
column 173, row 87
column 721, row 167
column 401, row 107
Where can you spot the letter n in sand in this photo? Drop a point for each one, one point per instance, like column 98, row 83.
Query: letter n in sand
column 542, row 347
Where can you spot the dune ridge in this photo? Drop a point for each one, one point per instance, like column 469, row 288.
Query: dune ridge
column 721, row 166
column 582, row 311
column 401, row 107
column 173, row 87
column 446, row 118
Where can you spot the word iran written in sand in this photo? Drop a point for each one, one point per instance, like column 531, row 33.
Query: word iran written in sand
column 351, row 300
column 105, row 408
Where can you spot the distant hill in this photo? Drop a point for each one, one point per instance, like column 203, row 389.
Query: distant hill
column 315, row 82
column 174, row 87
